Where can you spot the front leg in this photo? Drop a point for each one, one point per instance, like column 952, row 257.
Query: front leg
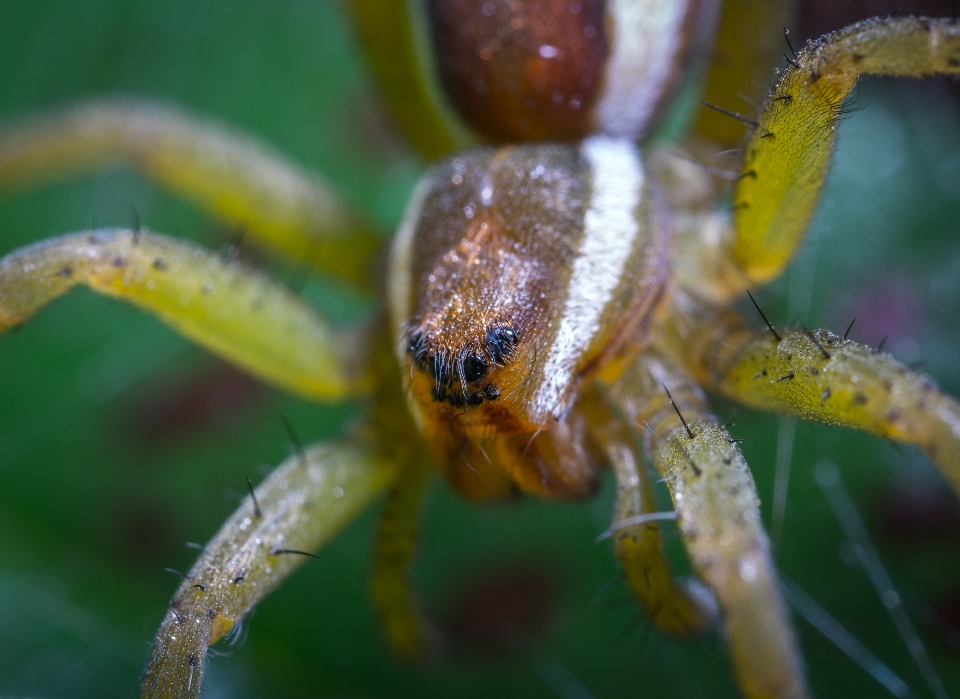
column 788, row 153
column 718, row 513
column 299, row 508
column 819, row 376
column 720, row 254
column 222, row 305
column 224, row 172
column 404, row 626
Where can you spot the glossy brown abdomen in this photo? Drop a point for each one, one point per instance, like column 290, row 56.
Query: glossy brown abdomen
column 517, row 273
column 534, row 70
column 521, row 71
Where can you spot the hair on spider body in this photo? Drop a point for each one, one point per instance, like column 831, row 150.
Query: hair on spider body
column 471, row 364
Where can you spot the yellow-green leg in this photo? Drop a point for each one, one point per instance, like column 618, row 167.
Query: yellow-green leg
column 223, row 305
column 821, row 376
column 300, row 507
column 787, row 155
column 405, row 628
column 679, row 608
column 395, row 600
column 718, row 513
column 747, row 47
column 395, row 40
column 229, row 174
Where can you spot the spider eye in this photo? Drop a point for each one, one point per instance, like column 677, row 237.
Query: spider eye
column 490, row 391
column 474, row 368
column 502, row 342
column 416, row 340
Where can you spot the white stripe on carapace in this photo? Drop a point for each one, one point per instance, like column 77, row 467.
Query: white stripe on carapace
column 610, row 227
column 646, row 35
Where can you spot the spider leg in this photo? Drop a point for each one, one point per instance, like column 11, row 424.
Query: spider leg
column 719, row 518
column 298, row 508
column 679, row 608
column 226, row 173
column 824, row 377
column 787, row 155
column 230, row 309
column 397, row 536
column 748, row 46
column 393, row 36
column 406, row 630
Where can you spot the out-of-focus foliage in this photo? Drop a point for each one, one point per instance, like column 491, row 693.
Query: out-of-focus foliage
column 119, row 441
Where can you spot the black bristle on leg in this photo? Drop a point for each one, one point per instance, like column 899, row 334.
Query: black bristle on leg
column 256, row 505
column 294, row 439
column 232, row 250
column 849, row 328
column 736, row 115
column 670, row 398
column 278, row 552
column 776, row 335
column 813, row 338
column 786, row 35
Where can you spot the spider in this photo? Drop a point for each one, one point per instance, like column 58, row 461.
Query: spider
column 497, row 361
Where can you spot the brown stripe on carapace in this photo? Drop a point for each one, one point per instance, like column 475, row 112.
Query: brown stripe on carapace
column 521, row 70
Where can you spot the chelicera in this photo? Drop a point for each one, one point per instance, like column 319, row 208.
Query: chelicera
column 553, row 305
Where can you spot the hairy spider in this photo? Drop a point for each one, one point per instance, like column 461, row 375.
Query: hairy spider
column 497, row 352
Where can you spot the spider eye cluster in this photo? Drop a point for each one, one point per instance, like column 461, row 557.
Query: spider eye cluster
column 501, row 342
column 459, row 376
column 475, row 368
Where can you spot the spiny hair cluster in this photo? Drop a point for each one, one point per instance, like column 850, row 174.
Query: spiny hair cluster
column 469, row 364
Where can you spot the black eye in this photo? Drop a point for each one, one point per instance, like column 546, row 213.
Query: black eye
column 474, row 368
column 502, row 341
column 490, row 392
column 416, row 341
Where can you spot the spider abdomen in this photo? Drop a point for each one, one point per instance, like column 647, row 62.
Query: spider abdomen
column 517, row 273
column 560, row 70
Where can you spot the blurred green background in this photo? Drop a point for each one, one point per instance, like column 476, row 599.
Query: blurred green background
column 119, row 441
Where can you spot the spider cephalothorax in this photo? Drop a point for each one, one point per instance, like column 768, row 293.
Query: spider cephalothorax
column 555, row 302
column 478, row 268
